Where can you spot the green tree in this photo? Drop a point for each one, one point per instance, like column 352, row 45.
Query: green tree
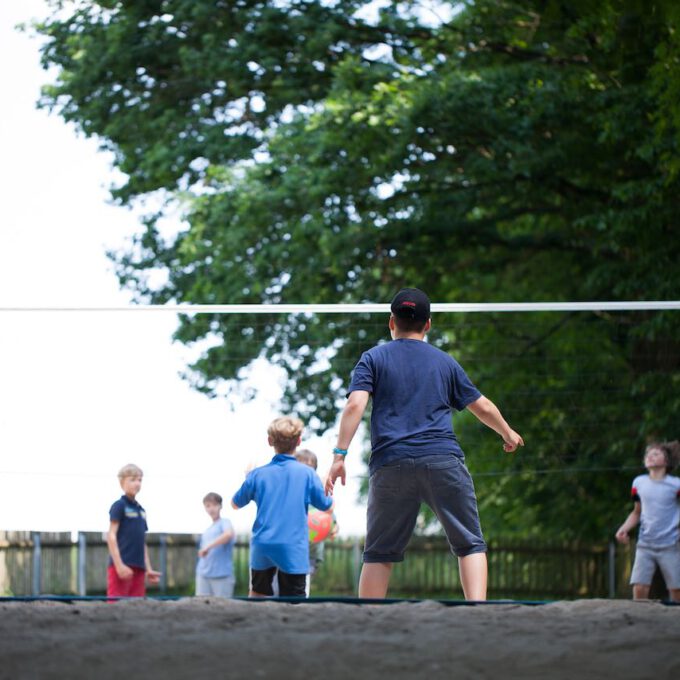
column 507, row 151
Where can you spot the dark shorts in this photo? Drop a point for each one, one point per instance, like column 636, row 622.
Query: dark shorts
column 395, row 492
column 290, row 585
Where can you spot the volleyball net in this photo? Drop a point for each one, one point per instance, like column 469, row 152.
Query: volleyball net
column 586, row 384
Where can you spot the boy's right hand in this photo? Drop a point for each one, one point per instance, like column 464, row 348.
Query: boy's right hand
column 124, row 572
column 622, row 536
column 512, row 441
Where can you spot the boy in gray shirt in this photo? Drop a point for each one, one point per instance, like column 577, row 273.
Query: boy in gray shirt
column 656, row 498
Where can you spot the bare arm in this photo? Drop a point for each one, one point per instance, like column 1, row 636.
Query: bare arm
column 328, row 511
column 223, row 538
column 631, row 522
column 122, row 569
column 349, row 423
column 487, row 412
column 151, row 575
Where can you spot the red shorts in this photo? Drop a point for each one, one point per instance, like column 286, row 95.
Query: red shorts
column 130, row 587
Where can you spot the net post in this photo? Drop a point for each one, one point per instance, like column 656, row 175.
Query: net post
column 82, row 562
column 163, row 567
column 37, row 563
column 612, row 569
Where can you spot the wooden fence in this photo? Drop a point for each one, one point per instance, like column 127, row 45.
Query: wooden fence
column 52, row 563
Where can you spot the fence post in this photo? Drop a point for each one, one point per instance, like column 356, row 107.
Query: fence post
column 356, row 564
column 163, row 584
column 37, row 563
column 82, row 562
column 612, row 569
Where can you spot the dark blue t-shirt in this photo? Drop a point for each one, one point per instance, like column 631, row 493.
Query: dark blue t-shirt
column 414, row 387
column 282, row 490
column 131, row 530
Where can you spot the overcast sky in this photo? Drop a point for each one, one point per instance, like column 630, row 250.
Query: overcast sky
column 81, row 394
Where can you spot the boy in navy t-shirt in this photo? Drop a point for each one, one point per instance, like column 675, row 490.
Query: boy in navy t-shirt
column 415, row 456
column 282, row 490
column 129, row 564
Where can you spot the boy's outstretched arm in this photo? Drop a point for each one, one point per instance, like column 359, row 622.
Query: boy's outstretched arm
column 631, row 522
column 487, row 412
column 349, row 422
column 222, row 539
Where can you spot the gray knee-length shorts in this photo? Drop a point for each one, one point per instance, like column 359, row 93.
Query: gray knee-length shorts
column 395, row 492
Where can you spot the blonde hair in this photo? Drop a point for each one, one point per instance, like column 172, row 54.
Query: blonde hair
column 306, row 457
column 130, row 470
column 284, row 433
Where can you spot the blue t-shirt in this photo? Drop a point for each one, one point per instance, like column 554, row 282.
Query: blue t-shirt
column 218, row 562
column 282, row 489
column 131, row 530
column 659, row 510
column 414, row 387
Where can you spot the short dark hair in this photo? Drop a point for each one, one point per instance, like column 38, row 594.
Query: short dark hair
column 213, row 497
column 409, row 325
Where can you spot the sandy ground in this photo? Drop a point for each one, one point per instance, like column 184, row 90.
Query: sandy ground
column 200, row 638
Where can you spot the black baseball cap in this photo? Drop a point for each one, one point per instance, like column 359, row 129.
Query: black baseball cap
column 411, row 303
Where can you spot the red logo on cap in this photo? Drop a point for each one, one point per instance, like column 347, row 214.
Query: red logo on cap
column 408, row 304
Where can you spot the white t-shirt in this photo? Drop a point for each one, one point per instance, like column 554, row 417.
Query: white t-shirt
column 660, row 504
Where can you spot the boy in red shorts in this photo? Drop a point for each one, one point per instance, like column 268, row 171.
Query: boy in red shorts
column 129, row 564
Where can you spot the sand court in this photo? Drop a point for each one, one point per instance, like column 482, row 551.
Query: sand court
column 210, row 638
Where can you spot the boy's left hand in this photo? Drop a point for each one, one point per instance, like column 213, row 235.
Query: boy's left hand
column 153, row 577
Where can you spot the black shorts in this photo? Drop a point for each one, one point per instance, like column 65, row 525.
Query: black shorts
column 290, row 585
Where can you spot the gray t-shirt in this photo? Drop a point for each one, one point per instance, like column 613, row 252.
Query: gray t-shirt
column 660, row 505
column 218, row 562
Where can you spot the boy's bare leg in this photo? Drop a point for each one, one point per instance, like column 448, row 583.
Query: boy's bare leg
column 374, row 579
column 473, row 574
column 640, row 591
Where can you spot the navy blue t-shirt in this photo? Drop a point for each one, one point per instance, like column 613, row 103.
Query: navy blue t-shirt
column 414, row 387
column 282, row 490
column 131, row 530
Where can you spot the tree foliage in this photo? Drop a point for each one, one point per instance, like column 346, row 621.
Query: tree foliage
column 506, row 151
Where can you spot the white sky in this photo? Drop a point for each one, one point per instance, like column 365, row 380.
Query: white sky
column 82, row 394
